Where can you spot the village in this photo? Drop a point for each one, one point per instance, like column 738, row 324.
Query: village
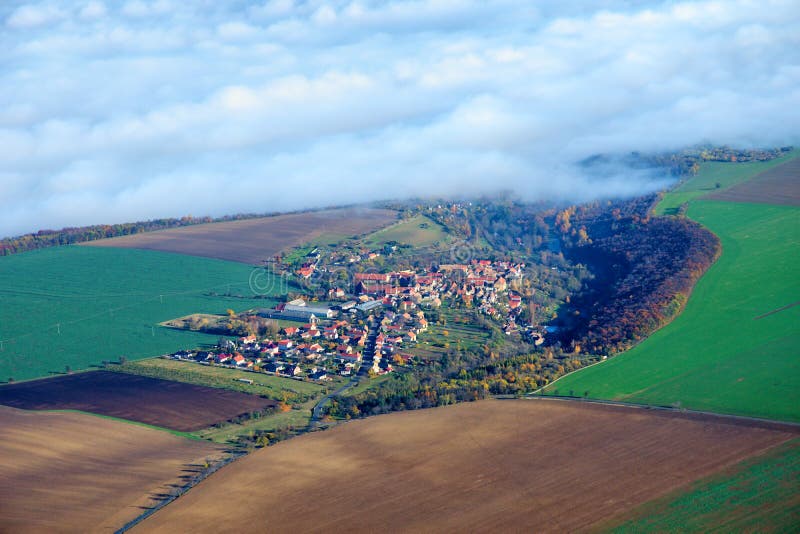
column 371, row 325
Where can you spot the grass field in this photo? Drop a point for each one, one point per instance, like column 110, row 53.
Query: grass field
column 488, row 466
column 274, row 387
column 418, row 231
column 254, row 240
column 759, row 495
column 723, row 353
column 297, row 418
column 78, row 306
column 72, row 472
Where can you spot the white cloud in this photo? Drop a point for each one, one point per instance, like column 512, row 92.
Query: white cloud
column 93, row 10
column 156, row 108
column 33, row 15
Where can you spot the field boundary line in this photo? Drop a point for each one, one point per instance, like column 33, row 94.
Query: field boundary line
column 790, row 426
column 566, row 375
column 180, row 491
column 177, row 433
column 777, row 310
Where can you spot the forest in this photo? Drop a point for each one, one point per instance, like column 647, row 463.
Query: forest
column 644, row 270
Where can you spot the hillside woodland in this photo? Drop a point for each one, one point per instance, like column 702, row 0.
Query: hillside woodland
column 645, row 268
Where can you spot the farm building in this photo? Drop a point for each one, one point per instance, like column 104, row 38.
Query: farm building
column 296, row 312
column 369, row 305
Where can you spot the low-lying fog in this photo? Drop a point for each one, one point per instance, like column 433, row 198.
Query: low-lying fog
column 123, row 111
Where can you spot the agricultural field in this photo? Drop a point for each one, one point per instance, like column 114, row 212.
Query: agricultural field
column 418, row 231
column 166, row 404
column 733, row 349
column 299, row 397
column 253, row 241
column 757, row 495
column 78, row 306
column 73, row 472
column 485, row 466
column 727, row 175
column 778, row 185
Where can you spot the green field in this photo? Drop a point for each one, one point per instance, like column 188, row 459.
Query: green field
column 716, row 355
column 230, row 433
column 418, row 231
column 78, row 306
column 274, row 387
column 758, row 495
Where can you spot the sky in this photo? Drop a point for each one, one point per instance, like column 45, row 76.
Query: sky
column 131, row 110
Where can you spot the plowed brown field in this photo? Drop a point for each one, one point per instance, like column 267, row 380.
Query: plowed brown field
column 71, row 472
column 164, row 403
column 255, row 240
column 778, row 185
column 490, row 466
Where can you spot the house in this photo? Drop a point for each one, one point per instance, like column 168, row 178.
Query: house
column 514, row 301
column 292, row 370
column 271, row 349
column 454, row 267
column 285, row 344
column 305, row 272
column 203, row 356
column 352, row 357
column 222, row 358
column 336, row 293
column 318, row 374
column 330, row 333
column 273, row 368
column 371, row 277
column 290, row 330
column 239, row 360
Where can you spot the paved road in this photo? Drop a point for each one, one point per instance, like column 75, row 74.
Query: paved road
column 366, row 364
column 316, row 412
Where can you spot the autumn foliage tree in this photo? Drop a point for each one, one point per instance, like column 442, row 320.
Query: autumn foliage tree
column 645, row 270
